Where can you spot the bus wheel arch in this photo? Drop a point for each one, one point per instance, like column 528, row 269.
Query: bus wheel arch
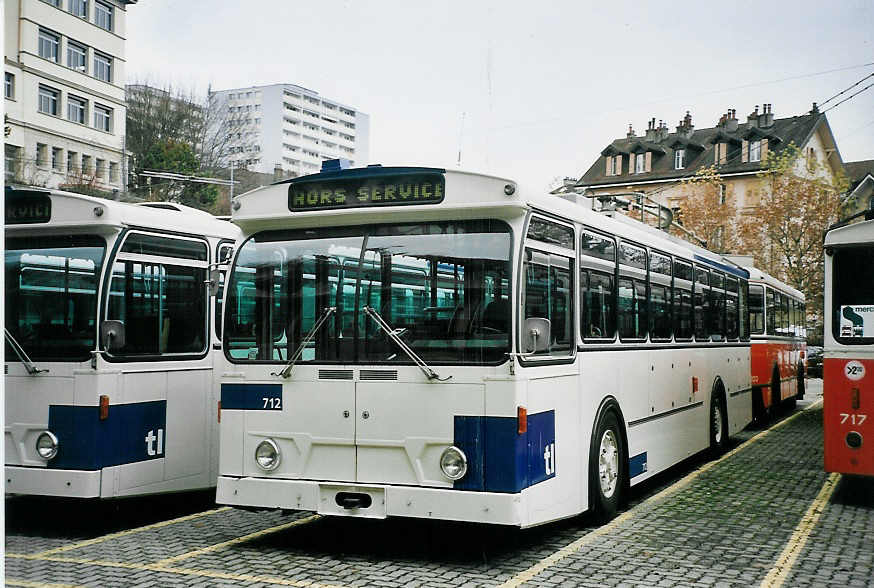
column 608, row 462
column 718, row 419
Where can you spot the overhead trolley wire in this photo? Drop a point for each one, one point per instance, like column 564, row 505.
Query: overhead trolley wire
column 850, row 97
column 846, row 90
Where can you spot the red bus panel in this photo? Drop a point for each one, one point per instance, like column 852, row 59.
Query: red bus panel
column 848, row 415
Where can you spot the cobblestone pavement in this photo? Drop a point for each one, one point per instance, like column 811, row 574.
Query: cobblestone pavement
column 736, row 522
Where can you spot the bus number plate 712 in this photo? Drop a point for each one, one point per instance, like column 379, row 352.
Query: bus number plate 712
column 271, row 403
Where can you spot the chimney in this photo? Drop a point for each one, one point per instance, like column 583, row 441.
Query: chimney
column 630, row 133
column 731, row 121
column 753, row 118
column 662, row 132
column 722, row 120
column 651, row 130
column 685, row 128
column 277, row 172
column 815, row 109
column 766, row 120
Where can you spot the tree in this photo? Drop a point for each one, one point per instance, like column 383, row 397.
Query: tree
column 709, row 210
column 783, row 232
column 169, row 129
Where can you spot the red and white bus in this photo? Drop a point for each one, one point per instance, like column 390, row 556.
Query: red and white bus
column 848, row 364
column 778, row 336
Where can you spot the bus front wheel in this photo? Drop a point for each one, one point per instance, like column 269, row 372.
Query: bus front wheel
column 718, row 424
column 607, row 468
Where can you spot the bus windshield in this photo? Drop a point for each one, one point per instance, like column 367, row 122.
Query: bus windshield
column 51, row 295
column 853, row 295
column 443, row 287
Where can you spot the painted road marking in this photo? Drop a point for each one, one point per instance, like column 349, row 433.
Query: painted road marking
column 250, row 578
column 237, row 541
column 780, row 572
column 88, row 542
column 29, row 584
column 551, row 560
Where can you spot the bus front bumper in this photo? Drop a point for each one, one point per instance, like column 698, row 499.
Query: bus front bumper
column 382, row 501
column 50, row 482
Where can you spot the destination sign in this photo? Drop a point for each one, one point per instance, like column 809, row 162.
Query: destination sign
column 384, row 190
column 28, row 208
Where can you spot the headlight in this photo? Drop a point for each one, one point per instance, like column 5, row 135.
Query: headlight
column 453, row 462
column 267, row 455
column 47, row 445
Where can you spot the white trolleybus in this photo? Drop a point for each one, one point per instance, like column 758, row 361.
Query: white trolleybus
column 427, row 343
column 110, row 330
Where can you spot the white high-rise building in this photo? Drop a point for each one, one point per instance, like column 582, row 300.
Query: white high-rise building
column 287, row 126
column 64, row 92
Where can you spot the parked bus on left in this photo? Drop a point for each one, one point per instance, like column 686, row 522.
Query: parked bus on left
column 112, row 319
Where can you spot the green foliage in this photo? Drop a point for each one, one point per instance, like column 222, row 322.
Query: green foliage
column 178, row 157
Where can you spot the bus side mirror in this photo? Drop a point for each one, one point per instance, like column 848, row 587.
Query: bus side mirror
column 535, row 335
column 215, row 281
column 111, row 335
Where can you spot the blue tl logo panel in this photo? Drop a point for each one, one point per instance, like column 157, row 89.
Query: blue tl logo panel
column 637, row 465
column 500, row 459
column 133, row 432
column 252, row 396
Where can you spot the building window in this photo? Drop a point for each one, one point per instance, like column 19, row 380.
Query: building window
column 101, row 168
column 102, row 67
column 79, row 8
column 755, row 151
column 48, row 100
column 76, row 109
column 679, row 159
column 10, row 86
column 102, row 118
column 613, row 167
column 86, row 164
column 71, row 162
column 103, row 15
column 639, row 163
column 76, row 56
column 113, row 171
column 48, row 45
column 55, row 3
column 57, row 158
column 42, row 154
column 721, row 194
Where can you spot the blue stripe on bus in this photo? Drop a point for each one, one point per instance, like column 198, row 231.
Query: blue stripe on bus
column 500, row 459
column 133, row 432
column 251, row 396
column 737, row 271
column 637, row 465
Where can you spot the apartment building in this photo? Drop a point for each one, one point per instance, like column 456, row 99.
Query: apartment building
column 64, row 93
column 290, row 127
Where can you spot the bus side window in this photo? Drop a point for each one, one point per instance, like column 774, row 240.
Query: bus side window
column 549, row 294
column 702, row 304
column 771, row 311
column 599, row 314
column 632, row 308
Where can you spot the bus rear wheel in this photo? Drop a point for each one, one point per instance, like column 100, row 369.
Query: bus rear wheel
column 607, row 468
column 718, row 425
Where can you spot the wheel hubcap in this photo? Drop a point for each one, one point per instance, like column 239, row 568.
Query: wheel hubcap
column 608, row 463
column 717, row 422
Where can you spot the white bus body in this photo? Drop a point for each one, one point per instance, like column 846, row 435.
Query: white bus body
column 110, row 420
column 354, row 427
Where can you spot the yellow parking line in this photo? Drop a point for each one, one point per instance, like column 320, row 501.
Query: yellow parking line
column 249, row 578
column 551, row 560
column 780, row 572
column 88, row 542
column 238, row 540
column 29, row 584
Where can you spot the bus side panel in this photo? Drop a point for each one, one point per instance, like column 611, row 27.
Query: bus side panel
column 558, row 495
column 848, row 408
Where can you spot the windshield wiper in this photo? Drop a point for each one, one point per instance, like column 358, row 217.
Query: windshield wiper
column 22, row 354
column 323, row 318
column 394, row 335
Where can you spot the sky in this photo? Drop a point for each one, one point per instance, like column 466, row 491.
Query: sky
column 531, row 91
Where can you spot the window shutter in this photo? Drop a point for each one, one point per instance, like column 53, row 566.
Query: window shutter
column 618, row 165
column 609, row 160
column 764, row 149
column 745, row 151
column 648, row 162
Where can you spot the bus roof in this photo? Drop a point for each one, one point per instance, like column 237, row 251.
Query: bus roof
column 36, row 209
column 316, row 201
column 861, row 232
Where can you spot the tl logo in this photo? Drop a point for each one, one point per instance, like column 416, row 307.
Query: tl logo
column 549, row 459
column 150, row 443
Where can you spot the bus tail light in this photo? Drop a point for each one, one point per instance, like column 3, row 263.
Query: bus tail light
column 855, row 399
column 219, row 413
column 104, row 407
column 694, row 384
column 521, row 420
